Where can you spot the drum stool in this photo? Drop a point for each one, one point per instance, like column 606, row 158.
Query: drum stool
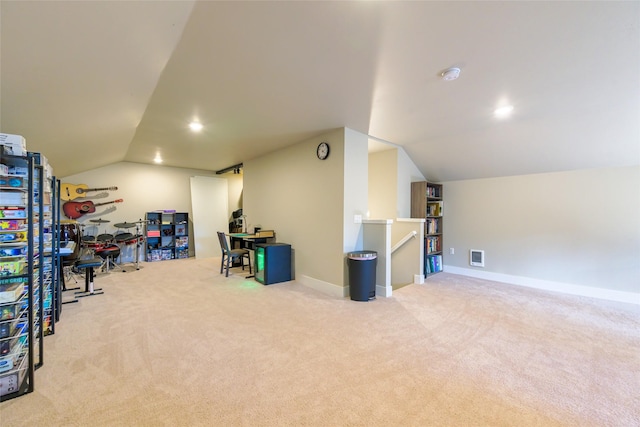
column 88, row 265
column 109, row 254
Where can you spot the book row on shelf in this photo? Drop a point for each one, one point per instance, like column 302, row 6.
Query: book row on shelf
column 433, row 244
column 433, row 191
column 432, row 225
column 433, row 264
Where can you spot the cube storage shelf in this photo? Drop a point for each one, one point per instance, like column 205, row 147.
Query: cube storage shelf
column 167, row 235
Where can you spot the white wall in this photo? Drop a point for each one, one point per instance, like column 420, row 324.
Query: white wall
column 391, row 173
column 579, row 228
column 235, row 184
column 408, row 172
column 306, row 201
column 209, row 214
column 300, row 197
column 383, row 184
column 355, row 188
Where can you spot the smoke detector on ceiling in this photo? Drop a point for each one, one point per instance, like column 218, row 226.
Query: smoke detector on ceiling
column 450, row 74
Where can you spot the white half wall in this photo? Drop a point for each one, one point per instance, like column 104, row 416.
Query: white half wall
column 407, row 261
column 377, row 237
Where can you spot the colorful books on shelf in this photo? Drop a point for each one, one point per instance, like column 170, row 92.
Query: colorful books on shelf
column 433, row 192
column 433, row 264
column 433, row 244
column 433, row 226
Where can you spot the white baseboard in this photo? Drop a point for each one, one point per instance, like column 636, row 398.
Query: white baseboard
column 566, row 288
column 324, row 287
column 384, row 291
column 338, row 291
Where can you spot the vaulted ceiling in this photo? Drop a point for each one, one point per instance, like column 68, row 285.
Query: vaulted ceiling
column 97, row 82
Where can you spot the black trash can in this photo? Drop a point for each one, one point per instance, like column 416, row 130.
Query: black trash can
column 362, row 275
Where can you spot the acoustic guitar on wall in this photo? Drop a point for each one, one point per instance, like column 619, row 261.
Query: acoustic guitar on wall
column 72, row 191
column 74, row 210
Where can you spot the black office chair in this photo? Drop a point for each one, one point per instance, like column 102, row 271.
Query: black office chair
column 228, row 255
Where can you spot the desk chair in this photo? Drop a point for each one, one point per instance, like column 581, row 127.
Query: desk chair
column 109, row 254
column 228, row 255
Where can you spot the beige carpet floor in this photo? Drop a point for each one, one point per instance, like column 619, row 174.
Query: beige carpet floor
column 177, row 344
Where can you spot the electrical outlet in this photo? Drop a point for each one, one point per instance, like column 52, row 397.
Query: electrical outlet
column 357, row 219
column 452, row 251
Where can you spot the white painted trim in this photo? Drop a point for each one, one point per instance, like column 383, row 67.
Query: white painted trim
column 338, row 291
column 404, row 240
column 411, row 219
column 547, row 285
column 384, row 291
column 377, row 221
column 324, row 287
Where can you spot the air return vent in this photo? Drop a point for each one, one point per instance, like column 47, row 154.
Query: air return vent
column 476, row 258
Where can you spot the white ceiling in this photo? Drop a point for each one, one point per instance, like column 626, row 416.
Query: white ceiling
column 93, row 83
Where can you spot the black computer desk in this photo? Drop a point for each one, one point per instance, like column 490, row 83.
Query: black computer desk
column 249, row 241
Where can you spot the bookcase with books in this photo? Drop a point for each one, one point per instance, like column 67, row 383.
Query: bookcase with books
column 427, row 202
column 167, row 235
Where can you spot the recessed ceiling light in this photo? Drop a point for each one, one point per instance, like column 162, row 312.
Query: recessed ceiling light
column 195, row 126
column 503, row 111
column 157, row 159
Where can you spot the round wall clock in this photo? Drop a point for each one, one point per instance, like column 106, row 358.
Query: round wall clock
column 323, row 150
